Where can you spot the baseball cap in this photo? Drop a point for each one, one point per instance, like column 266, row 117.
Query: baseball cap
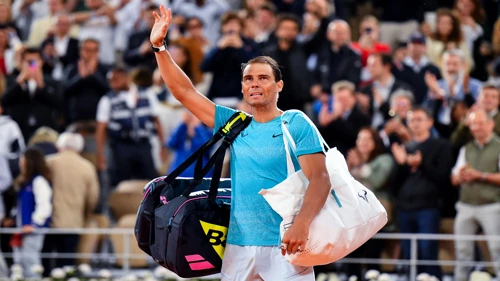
column 417, row 37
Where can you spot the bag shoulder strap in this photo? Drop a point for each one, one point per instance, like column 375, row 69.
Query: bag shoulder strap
column 234, row 121
column 286, row 132
column 233, row 127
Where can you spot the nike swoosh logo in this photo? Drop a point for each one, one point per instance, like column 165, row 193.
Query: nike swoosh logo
column 274, row 136
column 243, row 134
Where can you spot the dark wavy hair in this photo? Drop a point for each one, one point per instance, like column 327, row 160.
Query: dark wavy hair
column 264, row 60
column 35, row 164
column 478, row 14
column 379, row 148
column 456, row 31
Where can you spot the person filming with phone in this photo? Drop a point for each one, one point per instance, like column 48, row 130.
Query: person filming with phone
column 369, row 43
column 32, row 101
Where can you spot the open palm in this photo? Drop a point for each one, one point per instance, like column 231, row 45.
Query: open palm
column 160, row 28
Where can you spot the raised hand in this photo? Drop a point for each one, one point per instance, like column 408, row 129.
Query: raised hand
column 160, row 28
column 399, row 153
column 353, row 159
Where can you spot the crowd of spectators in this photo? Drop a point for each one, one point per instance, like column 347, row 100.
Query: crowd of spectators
column 408, row 91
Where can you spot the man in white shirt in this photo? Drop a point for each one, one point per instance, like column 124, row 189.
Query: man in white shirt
column 127, row 116
column 5, row 183
column 99, row 24
column 43, row 26
column 65, row 47
column 455, row 86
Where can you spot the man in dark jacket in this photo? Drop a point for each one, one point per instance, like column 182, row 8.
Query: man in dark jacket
column 336, row 59
column 224, row 61
column 415, row 66
column 85, row 84
column 139, row 51
column 423, row 171
column 292, row 57
column 340, row 125
column 32, row 101
column 376, row 96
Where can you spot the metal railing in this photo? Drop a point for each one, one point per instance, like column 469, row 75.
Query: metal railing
column 129, row 238
column 128, row 235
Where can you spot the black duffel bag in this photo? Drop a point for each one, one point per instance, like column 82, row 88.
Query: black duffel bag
column 182, row 222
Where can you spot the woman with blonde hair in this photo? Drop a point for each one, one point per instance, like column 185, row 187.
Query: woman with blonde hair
column 45, row 139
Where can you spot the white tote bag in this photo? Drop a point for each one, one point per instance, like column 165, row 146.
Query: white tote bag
column 351, row 215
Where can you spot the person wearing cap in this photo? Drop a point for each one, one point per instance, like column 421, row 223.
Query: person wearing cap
column 415, row 65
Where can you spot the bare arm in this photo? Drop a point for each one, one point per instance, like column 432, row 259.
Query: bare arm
column 70, row 5
column 101, row 140
column 472, row 175
column 456, row 180
column 159, row 130
column 92, row 193
column 314, row 168
column 493, row 178
column 81, row 17
column 176, row 80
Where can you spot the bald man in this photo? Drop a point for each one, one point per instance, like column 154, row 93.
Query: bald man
column 477, row 171
column 336, row 59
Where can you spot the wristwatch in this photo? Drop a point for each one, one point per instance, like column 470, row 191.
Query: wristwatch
column 159, row 49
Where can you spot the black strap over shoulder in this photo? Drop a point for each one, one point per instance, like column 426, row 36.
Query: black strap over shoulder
column 228, row 133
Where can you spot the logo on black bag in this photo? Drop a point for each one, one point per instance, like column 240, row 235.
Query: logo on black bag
column 216, row 236
column 363, row 194
column 197, row 262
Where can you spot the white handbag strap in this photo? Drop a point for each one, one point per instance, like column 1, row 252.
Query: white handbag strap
column 290, row 143
column 286, row 136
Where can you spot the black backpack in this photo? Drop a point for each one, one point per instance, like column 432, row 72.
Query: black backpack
column 182, row 222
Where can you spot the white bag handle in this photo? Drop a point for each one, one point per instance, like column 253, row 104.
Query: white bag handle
column 289, row 163
column 287, row 139
column 289, row 142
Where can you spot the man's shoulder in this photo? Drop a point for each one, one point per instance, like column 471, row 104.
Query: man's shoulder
column 400, row 84
column 7, row 121
column 440, row 142
column 431, row 67
column 352, row 51
column 475, row 82
column 296, row 119
column 223, row 114
column 294, row 114
column 62, row 158
column 495, row 139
